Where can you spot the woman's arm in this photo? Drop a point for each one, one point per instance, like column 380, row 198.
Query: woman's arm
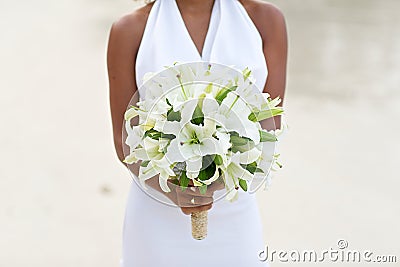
column 272, row 26
column 124, row 40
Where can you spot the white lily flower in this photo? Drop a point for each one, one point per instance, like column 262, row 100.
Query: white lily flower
column 130, row 159
column 267, row 161
column 231, row 188
column 192, row 141
column 266, row 158
column 233, row 114
column 224, row 144
column 133, row 139
column 270, row 104
column 178, row 96
column 153, row 110
column 152, row 150
column 175, row 127
column 191, row 145
column 130, row 114
column 226, row 97
column 234, row 171
column 202, row 72
column 157, row 86
column 154, row 167
column 248, row 91
column 148, row 114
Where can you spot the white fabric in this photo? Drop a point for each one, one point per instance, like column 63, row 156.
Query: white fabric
column 156, row 234
column 232, row 39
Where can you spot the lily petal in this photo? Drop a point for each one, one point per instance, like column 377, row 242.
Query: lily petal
column 232, row 195
column 223, row 141
column 193, row 167
column 238, row 172
column 174, row 153
column 209, row 127
column 146, row 173
column 209, row 146
column 163, row 181
column 187, row 111
column 130, row 159
column 130, row 114
column 249, row 156
column 210, row 106
column 168, row 127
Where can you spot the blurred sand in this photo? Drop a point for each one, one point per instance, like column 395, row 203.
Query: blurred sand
column 63, row 193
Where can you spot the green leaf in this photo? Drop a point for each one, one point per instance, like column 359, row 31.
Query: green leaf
column 173, row 115
column 218, row 160
column 208, row 168
column 265, row 114
column 259, row 170
column 203, row 189
column 243, row 184
column 267, row 137
column 240, row 144
column 167, row 136
column 221, row 95
column 198, row 116
column 246, row 73
column 233, row 133
column 183, row 181
column 239, row 141
column 145, row 163
column 153, row 134
column 251, row 168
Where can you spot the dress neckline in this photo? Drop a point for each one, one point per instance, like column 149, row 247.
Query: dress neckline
column 208, row 37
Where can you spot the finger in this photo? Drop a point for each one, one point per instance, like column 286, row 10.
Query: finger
column 193, row 191
column 217, row 185
column 193, row 201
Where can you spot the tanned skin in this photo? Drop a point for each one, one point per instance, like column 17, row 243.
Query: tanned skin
column 124, row 40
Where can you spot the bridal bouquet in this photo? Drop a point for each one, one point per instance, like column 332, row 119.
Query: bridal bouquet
column 196, row 125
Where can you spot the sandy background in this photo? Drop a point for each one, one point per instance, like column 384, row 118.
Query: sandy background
column 63, row 192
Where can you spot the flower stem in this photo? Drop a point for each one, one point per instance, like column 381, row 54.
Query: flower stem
column 183, row 89
column 234, row 102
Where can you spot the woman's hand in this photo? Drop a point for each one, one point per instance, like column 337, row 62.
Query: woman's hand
column 191, row 200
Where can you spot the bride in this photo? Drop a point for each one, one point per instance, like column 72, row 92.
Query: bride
column 244, row 33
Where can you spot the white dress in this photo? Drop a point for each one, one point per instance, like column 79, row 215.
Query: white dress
column 155, row 234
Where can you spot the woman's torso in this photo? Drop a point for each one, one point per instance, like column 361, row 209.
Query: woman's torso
column 229, row 40
column 232, row 39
